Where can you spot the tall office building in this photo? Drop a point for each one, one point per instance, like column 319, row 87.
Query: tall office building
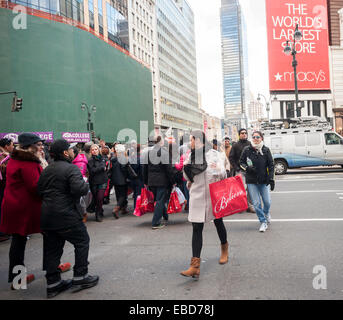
column 143, row 43
column 234, row 60
column 73, row 53
column 177, row 66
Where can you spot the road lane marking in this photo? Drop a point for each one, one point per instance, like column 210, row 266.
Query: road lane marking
column 297, row 180
column 308, row 191
column 287, row 220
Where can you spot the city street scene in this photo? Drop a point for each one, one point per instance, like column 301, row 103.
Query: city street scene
column 176, row 151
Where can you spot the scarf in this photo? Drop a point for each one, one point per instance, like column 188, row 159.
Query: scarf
column 194, row 168
column 258, row 146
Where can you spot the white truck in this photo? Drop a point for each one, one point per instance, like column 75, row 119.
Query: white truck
column 304, row 147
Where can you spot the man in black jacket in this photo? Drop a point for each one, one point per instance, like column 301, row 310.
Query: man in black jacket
column 158, row 176
column 235, row 155
column 236, row 151
column 61, row 185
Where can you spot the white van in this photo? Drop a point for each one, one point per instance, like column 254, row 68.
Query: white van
column 304, row 147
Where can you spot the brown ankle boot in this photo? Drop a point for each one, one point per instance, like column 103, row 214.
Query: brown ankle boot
column 194, row 269
column 115, row 212
column 224, row 258
column 84, row 218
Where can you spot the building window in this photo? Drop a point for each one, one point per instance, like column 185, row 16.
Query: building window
column 91, row 13
column 117, row 26
column 100, row 18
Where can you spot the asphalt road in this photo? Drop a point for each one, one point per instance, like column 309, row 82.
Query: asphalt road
column 136, row 262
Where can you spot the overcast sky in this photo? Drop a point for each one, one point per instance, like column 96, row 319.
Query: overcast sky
column 208, row 46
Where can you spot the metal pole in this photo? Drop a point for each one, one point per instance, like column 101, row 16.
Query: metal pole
column 294, row 64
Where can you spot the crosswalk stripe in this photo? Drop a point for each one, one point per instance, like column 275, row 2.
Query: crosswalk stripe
column 287, row 220
column 309, row 191
column 298, row 180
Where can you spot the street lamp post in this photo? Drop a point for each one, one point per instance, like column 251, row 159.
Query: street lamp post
column 268, row 102
column 84, row 106
column 290, row 49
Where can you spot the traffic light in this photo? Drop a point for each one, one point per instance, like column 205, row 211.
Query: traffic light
column 17, row 104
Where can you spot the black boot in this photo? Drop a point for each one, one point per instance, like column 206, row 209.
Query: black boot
column 88, row 282
column 98, row 217
column 63, row 286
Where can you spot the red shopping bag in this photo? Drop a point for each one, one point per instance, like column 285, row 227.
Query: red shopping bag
column 147, row 200
column 174, row 205
column 228, row 197
column 138, row 212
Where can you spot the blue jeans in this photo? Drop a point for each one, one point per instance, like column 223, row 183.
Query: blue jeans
column 256, row 192
column 160, row 197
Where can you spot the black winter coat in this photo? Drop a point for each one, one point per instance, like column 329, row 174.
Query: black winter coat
column 263, row 165
column 118, row 172
column 157, row 172
column 96, row 168
column 236, row 152
column 61, row 185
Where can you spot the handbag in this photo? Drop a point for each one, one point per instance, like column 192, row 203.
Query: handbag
column 131, row 173
column 174, row 205
column 228, row 197
column 180, row 196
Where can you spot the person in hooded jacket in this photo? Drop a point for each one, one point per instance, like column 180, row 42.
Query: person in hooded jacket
column 81, row 162
column 61, row 185
column 97, row 180
column 257, row 161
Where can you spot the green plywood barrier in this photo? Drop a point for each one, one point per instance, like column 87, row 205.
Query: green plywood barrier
column 55, row 67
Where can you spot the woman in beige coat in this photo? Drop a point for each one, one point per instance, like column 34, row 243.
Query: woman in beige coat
column 203, row 167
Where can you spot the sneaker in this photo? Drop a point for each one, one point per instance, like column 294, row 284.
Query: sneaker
column 88, row 282
column 159, row 226
column 62, row 286
column 268, row 217
column 263, row 227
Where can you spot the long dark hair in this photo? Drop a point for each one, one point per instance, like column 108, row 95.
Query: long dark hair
column 198, row 134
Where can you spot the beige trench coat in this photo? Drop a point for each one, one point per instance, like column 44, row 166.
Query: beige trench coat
column 200, row 206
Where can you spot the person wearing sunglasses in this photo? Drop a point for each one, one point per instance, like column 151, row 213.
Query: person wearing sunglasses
column 258, row 163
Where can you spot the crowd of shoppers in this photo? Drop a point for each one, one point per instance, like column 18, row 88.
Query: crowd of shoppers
column 50, row 190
